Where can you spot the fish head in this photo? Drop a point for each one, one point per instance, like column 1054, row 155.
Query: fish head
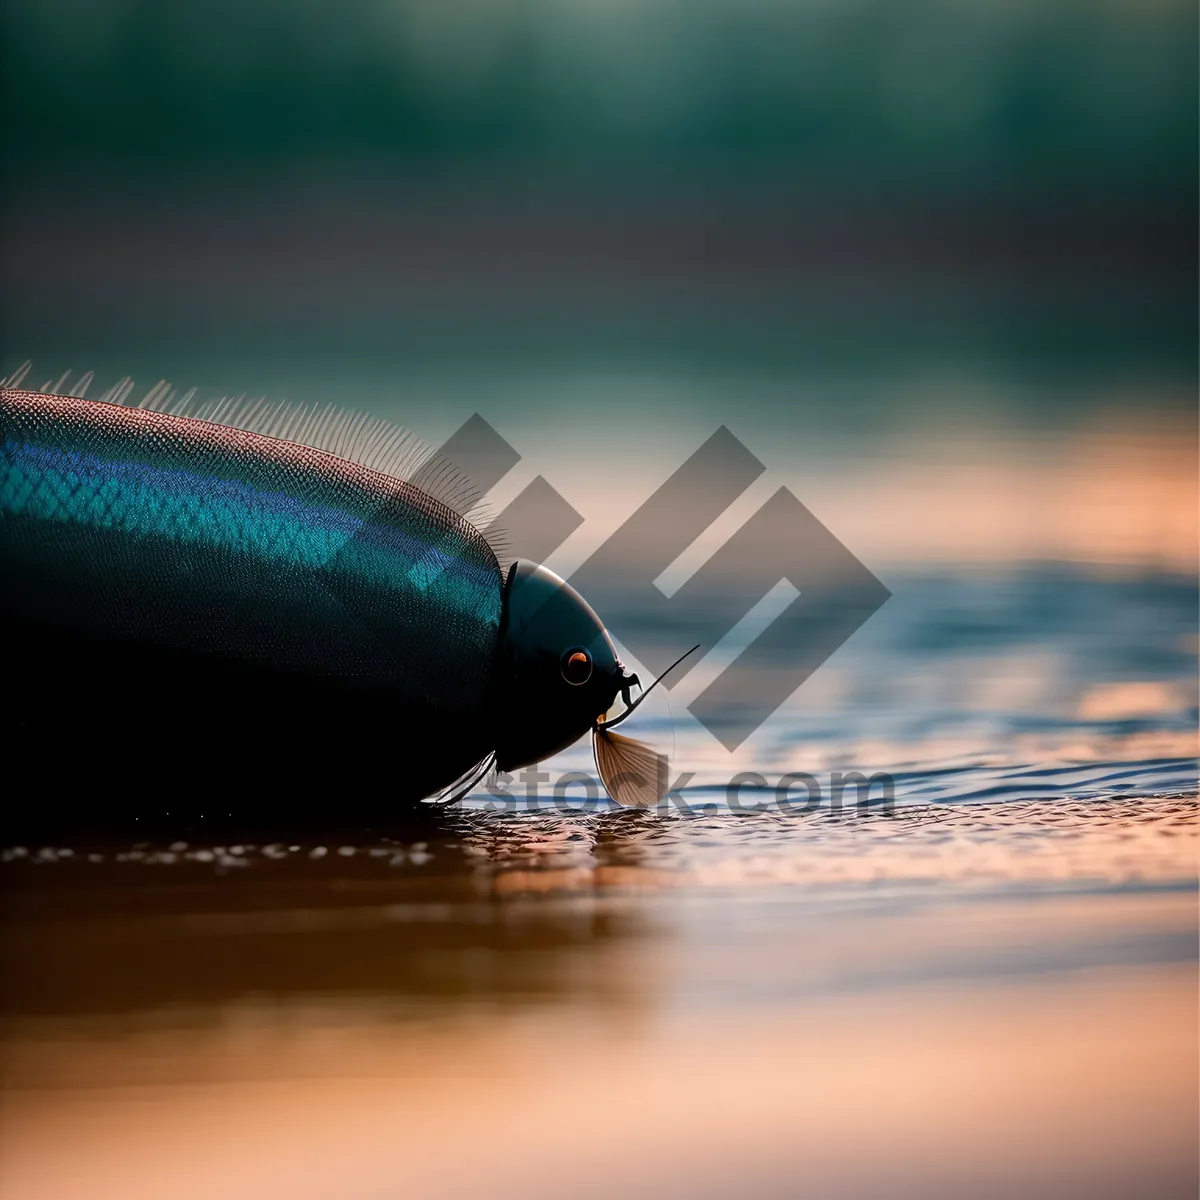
column 559, row 672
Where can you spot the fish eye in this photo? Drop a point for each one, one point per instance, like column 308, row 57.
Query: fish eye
column 576, row 666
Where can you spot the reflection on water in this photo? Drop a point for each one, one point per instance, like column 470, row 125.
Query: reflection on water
column 1031, row 680
column 992, row 997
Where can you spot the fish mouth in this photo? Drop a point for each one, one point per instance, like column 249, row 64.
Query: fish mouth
column 627, row 681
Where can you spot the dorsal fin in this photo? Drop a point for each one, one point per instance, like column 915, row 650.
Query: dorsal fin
column 18, row 376
column 358, row 437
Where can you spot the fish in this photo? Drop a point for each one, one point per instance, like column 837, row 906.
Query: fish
column 239, row 605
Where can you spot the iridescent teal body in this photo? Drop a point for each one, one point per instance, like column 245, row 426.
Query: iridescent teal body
column 198, row 620
column 203, row 571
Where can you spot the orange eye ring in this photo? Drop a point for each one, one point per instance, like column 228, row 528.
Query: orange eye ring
column 576, row 666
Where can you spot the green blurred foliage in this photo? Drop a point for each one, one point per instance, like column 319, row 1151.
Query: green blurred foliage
column 919, row 93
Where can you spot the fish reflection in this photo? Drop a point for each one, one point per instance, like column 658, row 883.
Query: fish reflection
column 409, row 925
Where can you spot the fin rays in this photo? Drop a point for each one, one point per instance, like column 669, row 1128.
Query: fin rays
column 632, row 773
column 371, row 442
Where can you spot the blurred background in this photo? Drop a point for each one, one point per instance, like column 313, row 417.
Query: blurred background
column 564, row 209
column 934, row 264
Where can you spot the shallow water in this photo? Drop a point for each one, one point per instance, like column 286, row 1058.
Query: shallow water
column 1006, row 683
column 992, row 998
